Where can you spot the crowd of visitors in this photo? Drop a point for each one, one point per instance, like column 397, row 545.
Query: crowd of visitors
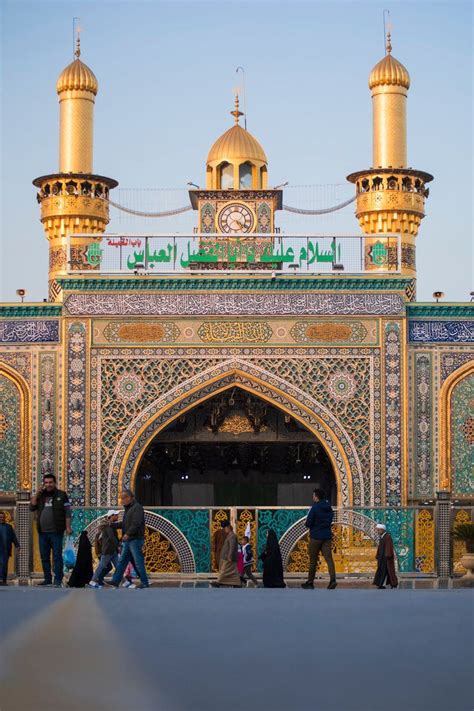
column 234, row 559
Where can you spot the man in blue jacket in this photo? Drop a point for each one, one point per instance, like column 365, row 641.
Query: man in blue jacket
column 319, row 522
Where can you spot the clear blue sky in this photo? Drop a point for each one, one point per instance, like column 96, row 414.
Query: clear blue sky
column 166, row 72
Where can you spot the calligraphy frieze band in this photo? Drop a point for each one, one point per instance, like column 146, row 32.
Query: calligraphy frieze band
column 34, row 331
column 234, row 304
column 441, row 331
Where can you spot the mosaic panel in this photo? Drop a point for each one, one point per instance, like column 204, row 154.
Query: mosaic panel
column 235, row 332
column 194, row 526
column 423, row 425
column 393, row 414
column 264, row 218
column 76, row 399
column 462, row 436
column 26, row 331
column 233, row 304
column 424, row 541
column 10, row 428
column 452, row 361
column 135, row 332
column 334, row 332
column 441, row 331
column 19, row 361
column 208, row 218
column 47, row 409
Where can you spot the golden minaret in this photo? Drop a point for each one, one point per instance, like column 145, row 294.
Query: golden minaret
column 390, row 195
column 74, row 200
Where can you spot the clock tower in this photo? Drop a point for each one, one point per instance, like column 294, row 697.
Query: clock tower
column 236, row 204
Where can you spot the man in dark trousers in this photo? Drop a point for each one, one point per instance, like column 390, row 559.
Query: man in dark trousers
column 53, row 517
column 319, row 522
column 385, row 560
column 7, row 539
column 133, row 538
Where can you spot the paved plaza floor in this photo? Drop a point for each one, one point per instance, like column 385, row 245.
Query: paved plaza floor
column 191, row 649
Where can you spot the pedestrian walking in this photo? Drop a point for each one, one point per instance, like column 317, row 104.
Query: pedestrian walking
column 319, row 522
column 272, row 562
column 133, row 538
column 83, row 568
column 248, row 561
column 8, row 539
column 228, row 573
column 385, row 557
column 218, row 543
column 53, row 518
column 107, row 545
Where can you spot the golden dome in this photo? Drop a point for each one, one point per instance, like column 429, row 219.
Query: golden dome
column 77, row 75
column 389, row 71
column 236, row 144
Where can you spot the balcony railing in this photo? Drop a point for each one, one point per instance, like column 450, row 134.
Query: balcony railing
column 162, row 254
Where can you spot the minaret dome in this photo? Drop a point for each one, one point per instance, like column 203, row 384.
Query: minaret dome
column 389, row 71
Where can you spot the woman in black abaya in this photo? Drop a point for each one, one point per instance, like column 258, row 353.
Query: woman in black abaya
column 272, row 563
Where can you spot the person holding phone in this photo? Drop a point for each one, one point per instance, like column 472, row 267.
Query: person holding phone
column 53, row 518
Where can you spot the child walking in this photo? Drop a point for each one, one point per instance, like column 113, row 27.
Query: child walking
column 248, row 561
column 108, row 543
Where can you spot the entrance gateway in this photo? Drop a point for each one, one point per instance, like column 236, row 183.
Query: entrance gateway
column 234, row 449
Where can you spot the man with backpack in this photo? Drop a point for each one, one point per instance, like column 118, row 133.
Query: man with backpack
column 107, row 547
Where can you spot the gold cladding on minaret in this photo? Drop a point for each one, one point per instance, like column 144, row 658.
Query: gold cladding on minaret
column 73, row 201
column 77, row 87
column 390, row 196
column 389, row 82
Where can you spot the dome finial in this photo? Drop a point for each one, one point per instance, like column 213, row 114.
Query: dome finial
column 236, row 113
column 388, row 44
column 76, row 31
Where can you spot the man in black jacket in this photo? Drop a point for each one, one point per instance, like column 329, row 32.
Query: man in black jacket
column 53, row 517
column 7, row 540
column 319, row 522
column 133, row 537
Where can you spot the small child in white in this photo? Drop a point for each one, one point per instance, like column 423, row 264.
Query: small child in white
column 248, row 560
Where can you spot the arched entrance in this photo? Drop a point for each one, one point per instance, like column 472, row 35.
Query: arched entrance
column 234, row 449
column 15, row 450
column 456, row 424
column 313, row 415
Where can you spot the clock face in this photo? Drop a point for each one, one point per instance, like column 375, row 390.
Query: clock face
column 235, row 218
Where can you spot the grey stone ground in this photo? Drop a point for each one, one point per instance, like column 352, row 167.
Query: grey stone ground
column 189, row 649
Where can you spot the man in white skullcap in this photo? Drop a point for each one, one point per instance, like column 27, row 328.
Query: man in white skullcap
column 385, row 557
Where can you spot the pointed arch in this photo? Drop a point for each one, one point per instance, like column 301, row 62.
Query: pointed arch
column 445, row 411
column 13, row 376
column 314, row 416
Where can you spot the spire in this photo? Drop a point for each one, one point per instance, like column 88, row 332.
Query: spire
column 388, row 44
column 77, row 53
column 236, row 113
column 76, row 31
